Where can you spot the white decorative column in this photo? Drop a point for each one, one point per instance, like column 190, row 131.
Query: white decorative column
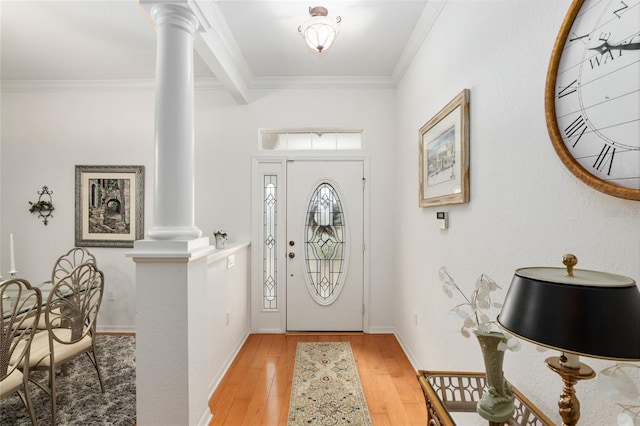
column 171, row 264
column 173, row 215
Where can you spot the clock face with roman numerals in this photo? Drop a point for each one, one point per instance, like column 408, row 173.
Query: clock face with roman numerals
column 592, row 96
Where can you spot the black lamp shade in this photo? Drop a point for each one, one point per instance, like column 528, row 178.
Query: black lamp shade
column 592, row 313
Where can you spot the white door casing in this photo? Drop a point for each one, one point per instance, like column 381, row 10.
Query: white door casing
column 324, row 249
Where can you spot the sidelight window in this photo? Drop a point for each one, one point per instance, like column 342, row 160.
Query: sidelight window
column 269, row 249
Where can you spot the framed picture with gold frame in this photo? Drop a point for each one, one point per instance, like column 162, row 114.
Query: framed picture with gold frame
column 444, row 155
column 109, row 205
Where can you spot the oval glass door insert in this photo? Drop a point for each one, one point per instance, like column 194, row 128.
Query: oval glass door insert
column 325, row 245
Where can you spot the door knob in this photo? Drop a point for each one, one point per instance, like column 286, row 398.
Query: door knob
column 291, row 255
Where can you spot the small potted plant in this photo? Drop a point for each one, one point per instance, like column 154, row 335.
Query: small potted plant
column 221, row 238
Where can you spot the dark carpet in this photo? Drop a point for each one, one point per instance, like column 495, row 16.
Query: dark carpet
column 80, row 401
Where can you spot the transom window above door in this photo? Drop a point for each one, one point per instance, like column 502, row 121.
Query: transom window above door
column 314, row 140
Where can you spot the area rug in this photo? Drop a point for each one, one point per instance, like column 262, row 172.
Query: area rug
column 326, row 389
column 80, row 401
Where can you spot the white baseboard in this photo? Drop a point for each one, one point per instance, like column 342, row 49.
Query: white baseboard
column 407, row 352
column 213, row 385
column 381, row 330
column 116, row 329
column 206, row 417
column 268, row 331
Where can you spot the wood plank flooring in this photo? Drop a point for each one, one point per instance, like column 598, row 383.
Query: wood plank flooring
column 256, row 389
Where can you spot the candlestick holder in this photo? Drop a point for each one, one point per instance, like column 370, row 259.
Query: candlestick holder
column 44, row 205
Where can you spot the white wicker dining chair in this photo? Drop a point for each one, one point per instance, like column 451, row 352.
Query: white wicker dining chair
column 71, row 312
column 68, row 262
column 19, row 314
column 63, row 267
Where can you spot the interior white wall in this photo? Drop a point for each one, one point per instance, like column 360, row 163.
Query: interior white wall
column 45, row 133
column 227, row 316
column 526, row 208
column 227, row 137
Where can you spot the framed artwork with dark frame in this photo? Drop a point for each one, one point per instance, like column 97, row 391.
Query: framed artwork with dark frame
column 444, row 155
column 109, row 205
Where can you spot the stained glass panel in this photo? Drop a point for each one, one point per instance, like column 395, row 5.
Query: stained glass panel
column 269, row 249
column 325, row 244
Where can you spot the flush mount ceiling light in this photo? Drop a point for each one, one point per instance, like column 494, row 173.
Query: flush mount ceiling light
column 319, row 32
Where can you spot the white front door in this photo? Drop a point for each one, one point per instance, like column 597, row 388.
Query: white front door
column 325, row 201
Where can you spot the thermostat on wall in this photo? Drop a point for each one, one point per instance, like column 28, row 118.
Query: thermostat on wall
column 443, row 219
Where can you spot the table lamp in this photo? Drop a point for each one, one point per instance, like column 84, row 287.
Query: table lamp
column 577, row 312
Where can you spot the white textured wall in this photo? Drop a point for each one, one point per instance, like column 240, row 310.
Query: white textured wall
column 46, row 133
column 227, row 137
column 526, row 208
column 227, row 292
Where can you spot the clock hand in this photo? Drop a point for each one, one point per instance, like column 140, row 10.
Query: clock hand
column 606, row 47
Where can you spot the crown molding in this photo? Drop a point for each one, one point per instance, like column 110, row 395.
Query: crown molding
column 428, row 17
column 321, row 82
column 76, row 85
column 145, row 85
column 373, row 82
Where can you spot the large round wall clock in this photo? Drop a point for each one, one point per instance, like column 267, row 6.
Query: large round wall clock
column 592, row 95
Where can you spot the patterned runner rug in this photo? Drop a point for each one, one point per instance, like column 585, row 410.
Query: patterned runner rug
column 80, row 401
column 326, row 389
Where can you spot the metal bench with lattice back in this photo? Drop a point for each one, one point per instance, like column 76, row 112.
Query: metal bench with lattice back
column 449, row 392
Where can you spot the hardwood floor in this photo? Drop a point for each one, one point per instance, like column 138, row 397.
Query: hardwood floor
column 255, row 391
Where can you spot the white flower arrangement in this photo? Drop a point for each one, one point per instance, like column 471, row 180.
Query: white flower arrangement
column 474, row 310
column 615, row 382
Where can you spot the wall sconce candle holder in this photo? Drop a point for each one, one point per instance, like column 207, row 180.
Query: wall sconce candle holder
column 44, row 205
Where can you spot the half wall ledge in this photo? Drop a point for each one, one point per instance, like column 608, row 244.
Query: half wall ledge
column 220, row 254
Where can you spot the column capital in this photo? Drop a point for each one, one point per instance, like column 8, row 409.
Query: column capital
column 174, row 14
